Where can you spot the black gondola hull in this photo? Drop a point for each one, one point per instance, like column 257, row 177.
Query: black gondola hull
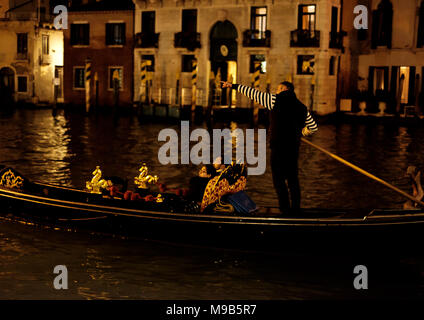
column 314, row 229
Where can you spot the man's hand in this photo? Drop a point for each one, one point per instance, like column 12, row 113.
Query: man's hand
column 306, row 132
column 226, row 84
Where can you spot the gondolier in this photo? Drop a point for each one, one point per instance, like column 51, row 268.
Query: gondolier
column 289, row 119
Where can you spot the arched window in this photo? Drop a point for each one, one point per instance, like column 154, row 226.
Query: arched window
column 382, row 25
column 420, row 33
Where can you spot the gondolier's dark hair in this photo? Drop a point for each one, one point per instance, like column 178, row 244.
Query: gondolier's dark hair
column 289, row 85
column 210, row 170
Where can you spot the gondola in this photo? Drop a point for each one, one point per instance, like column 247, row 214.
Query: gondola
column 170, row 220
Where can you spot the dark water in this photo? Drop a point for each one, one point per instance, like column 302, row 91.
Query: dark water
column 65, row 149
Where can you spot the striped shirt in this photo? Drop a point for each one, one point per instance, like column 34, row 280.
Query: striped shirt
column 268, row 101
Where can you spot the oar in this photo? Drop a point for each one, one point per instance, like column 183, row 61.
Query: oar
column 369, row 175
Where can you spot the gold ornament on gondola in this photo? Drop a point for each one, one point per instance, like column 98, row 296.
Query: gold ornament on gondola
column 9, row 180
column 159, row 198
column 96, row 183
column 144, row 178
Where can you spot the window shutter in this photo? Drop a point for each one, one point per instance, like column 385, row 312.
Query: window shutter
column 393, row 80
column 86, row 32
column 108, row 34
column 411, row 91
column 72, row 34
column 371, row 80
column 299, row 17
column 422, row 81
column 393, row 87
column 386, row 79
column 123, row 34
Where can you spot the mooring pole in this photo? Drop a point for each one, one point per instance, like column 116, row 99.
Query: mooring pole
column 194, row 88
column 87, row 84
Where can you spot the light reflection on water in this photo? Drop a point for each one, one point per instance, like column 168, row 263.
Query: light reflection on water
column 66, row 149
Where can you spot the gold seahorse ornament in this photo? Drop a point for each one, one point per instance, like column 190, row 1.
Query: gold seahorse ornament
column 96, row 183
column 144, row 178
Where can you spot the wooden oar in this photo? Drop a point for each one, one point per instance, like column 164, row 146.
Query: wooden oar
column 369, row 175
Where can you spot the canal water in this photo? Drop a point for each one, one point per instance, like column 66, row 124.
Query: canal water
column 65, row 148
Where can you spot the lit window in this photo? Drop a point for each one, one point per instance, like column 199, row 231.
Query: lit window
column 151, row 67
column 115, row 72
column 258, row 22
column 45, row 44
column 305, row 64
column 306, row 18
column 257, row 58
column 404, row 72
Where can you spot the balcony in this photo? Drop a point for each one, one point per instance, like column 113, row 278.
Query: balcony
column 336, row 39
column 304, row 38
column 45, row 59
column 256, row 38
column 146, row 40
column 188, row 40
column 23, row 56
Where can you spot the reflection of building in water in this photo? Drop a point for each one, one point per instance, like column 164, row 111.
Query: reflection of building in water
column 387, row 59
column 292, row 40
column 31, row 54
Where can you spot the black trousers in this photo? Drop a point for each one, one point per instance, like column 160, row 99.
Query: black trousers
column 284, row 166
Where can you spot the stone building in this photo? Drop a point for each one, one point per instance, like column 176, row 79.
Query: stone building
column 385, row 63
column 101, row 31
column 31, row 54
column 297, row 40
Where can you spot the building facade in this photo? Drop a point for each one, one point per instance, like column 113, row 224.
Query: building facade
column 100, row 32
column 33, row 58
column 297, row 40
column 387, row 59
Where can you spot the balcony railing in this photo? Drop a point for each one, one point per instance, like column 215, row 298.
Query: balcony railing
column 28, row 15
column 22, row 56
column 257, row 38
column 188, row 40
column 336, row 39
column 304, row 38
column 45, row 59
column 146, row 40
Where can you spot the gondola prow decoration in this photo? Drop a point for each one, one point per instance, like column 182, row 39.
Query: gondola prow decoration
column 144, row 178
column 96, row 183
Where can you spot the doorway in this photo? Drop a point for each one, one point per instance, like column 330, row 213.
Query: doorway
column 223, row 57
column 7, row 86
column 58, row 74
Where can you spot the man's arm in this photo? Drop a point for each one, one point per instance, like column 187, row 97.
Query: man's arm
column 310, row 125
column 265, row 99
